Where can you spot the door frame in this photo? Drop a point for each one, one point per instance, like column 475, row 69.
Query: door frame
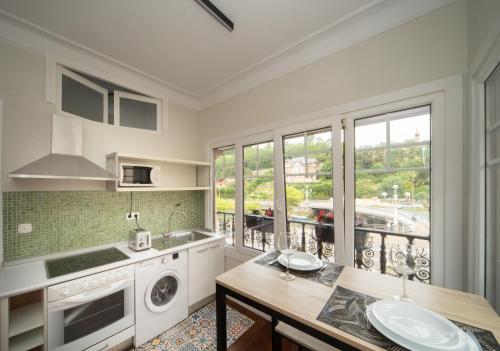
column 437, row 213
column 481, row 68
column 335, row 124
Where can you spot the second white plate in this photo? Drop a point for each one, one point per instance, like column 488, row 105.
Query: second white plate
column 417, row 328
column 301, row 261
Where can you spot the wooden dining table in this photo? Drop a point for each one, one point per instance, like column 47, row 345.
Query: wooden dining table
column 299, row 302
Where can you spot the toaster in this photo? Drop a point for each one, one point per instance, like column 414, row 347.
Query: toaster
column 139, row 239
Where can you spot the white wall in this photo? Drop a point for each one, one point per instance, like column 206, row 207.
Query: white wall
column 27, row 126
column 428, row 48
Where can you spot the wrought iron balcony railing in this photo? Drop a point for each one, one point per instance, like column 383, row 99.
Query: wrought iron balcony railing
column 371, row 245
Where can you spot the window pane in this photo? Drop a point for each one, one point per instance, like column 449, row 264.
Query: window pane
column 258, row 196
column 411, row 129
column 370, row 135
column 370, row 159
column 225, row 191
column 138, row 114
column 80, row 100
column 393, row 207
column 494, row 144
column 309, row 190
column 410, row 157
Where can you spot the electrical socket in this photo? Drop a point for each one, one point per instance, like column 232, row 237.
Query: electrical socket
column 130, row 216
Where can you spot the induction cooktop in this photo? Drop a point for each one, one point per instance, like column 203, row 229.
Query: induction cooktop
column 76, row 263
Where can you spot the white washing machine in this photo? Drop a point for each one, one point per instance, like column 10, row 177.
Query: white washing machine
column 161, row 295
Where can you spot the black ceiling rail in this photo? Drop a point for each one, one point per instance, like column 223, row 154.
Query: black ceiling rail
column 216, row 13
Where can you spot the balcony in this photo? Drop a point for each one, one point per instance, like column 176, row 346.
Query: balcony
column 371, row 245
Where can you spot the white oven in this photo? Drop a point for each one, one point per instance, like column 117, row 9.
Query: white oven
column 89, row 310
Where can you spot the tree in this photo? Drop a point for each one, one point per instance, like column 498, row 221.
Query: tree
column 294, row 196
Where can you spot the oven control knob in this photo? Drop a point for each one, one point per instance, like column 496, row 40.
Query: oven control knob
column 164, row 260
column 65, row 292
column 84, row 285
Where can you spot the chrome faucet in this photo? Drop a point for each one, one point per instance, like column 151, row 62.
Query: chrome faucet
column 176, row 209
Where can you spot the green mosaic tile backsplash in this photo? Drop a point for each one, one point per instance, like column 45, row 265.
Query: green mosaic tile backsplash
column 68, row 220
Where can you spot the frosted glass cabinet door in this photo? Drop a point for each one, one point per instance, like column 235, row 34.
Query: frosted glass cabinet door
column 137, row 111
column 83, row 98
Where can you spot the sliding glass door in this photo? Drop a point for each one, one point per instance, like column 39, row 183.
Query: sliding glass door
column 258, row 196
column 307, row 163
column 346, row 187
column 392, row 188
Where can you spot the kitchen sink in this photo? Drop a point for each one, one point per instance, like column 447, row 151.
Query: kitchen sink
column 178, row 239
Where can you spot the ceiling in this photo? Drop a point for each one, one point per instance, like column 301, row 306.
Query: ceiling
column 177, row 40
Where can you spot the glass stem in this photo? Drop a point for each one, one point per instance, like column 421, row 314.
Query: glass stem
column 288, row 265
column 404, row 286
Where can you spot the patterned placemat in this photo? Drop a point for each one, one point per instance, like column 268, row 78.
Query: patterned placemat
column 346, row 310
column 326, row 276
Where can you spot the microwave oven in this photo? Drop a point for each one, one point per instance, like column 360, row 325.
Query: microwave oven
column 139, row 175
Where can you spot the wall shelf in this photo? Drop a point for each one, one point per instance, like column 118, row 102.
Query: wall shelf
column 175, row 174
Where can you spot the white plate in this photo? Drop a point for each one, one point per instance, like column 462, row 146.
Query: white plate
column 417, row 328
column 301, row 261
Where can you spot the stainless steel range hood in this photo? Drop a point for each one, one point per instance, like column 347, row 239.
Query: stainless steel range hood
column 66, row 160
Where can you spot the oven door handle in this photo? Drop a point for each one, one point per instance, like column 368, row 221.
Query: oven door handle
column 92, row 295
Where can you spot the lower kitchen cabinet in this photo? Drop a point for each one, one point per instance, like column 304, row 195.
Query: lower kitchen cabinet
column 205, row 263
column 22, row 323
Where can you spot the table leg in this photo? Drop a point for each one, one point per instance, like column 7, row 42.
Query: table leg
column 276, row 337
column 220, row 300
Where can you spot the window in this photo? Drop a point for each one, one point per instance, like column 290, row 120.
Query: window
column 258, row 196
column 225, row 191
column 347, row 187
column 492, row 245
column 88, row 97
column 309, row 190
column 392, row 187
column 83, row 98
column 136, row 111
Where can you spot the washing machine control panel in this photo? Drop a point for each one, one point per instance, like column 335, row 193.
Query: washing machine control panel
column 80, row 285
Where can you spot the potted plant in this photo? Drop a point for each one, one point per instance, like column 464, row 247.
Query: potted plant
column 324, row 227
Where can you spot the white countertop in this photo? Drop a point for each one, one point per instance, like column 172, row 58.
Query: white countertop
column 23, row 277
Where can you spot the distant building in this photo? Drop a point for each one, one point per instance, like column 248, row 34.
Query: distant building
column 297, row 171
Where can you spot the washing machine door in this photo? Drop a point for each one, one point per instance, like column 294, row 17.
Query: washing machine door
column 163, row 291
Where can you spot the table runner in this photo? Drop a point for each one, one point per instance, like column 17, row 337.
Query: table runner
column 327, row 276
column 346, row 310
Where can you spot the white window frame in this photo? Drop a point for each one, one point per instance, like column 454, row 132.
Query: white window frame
column 446, row 98
column 60, row 71
column 116, row 108
column 438, row 234
column 481, row 69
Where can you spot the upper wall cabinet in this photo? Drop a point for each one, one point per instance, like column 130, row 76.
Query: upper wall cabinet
column 85, row 96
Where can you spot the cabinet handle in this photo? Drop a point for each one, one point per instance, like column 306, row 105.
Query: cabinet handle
column 202, row 250
column 105, row 347
column 213, row 247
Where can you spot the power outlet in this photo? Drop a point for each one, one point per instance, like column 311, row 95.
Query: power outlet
column 25, row 228
column 130, row 216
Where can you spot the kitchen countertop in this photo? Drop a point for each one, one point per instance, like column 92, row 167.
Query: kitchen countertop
column 23, row 277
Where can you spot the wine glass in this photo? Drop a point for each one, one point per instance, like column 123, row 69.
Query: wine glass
column 287, row 247
column 405, row 261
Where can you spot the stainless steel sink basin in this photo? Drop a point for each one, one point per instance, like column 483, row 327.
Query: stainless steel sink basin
column 178, row 239
column 190, row 236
